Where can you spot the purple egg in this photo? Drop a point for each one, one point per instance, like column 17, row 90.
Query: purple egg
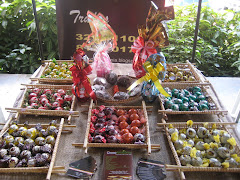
column 98, row 132
column 112, row 132
column 100, row 114
column 99, row 125
column 109, row 127
column 108, row 111
column 139, row 137
column 100, row 120
column 112, row 139
column 99, row 139
column 111, row 122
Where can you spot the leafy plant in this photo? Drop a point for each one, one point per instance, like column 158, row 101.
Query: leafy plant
column 217, row 51
column 17, row 26
column 20, row 60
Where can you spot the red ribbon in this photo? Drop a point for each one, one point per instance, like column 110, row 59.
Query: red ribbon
column 145, row 48
column 142, row 51
column 80, row 72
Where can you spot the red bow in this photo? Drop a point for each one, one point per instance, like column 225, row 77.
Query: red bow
column 145, row 48
column 142, row 51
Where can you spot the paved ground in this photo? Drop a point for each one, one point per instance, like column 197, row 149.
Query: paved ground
column 227, row 90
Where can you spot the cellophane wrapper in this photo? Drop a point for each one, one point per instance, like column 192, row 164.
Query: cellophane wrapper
column 102, row 41
column 152, row 35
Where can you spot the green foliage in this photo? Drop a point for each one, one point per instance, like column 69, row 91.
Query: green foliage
column 18, row 29
column 20, row 60
column 217, row 52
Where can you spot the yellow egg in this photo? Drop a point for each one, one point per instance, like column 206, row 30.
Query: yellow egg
column 68, row 76
column 52, row 64
column 55, row 76
column 57, row 67
column 69, row 72
column 47, row 71
column 64, row 65
column 63, row 69
column 54, row 70
column 52, row 73
column 64, row 75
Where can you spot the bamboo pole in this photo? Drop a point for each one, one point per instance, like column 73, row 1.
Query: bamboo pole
column 54, row 154
column 147, row 128
column 88, row 126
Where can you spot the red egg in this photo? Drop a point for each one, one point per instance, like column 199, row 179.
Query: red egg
column 123, row 131
column 123, row 125
column 143, row 120
column 120, row 112
column 136, row 123
column 134, row 130
column 127, row 138
column 122, row 118
column 134, row 117
column 132, row 111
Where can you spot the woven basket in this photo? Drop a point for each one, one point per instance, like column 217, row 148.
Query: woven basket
column 52, row 80
column 62, row 113
column 49, row 170
column 192, row 70
column 147, row 145
column 179, row 167
column 205, row 88
column 131, row 99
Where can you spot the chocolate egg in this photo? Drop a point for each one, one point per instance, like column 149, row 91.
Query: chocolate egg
column 213, row 162
column 191, row 133
column 223, row 152
column 210, row 153
column 14, row 151
column 111, row 78
column 112, row 139
column 178, row 144
column 202, row 132
column 185, row 159
column 197, row 161
column 139, row 137
column 13, row 162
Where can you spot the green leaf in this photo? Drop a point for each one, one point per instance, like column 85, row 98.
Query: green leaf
column 2, row 60
column 53, row 28
column 4, row 24
column 49, row 46
column 22, row 51
column 3, row 12
column 17, row 9
column 51, row 55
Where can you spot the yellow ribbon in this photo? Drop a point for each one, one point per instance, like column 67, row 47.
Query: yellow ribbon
column 152, row 74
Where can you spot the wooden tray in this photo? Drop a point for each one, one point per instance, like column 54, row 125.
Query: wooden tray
column 192, row 69
column 179, row 167
column 43, row 67
column 49, row 170
column 147, row 145
column 62, row 113
column 206, row 87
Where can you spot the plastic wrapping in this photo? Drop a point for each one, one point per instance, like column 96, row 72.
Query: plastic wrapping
column 151, row 36
column 102, row 40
